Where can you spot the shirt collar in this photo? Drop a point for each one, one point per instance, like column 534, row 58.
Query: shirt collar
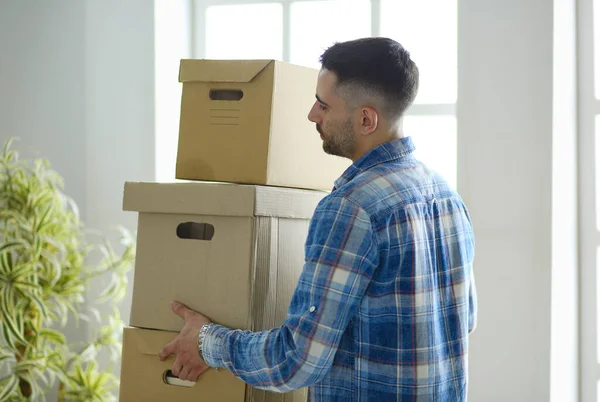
column 386, row 152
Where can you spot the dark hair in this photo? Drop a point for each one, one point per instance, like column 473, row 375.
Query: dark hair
column 379, row 66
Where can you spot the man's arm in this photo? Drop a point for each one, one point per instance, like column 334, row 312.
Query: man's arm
column 341, row 255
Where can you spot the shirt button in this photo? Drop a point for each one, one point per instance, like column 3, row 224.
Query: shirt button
column 312, row 309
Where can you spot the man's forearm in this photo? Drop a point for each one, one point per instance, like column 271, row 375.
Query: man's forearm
column 267, row 360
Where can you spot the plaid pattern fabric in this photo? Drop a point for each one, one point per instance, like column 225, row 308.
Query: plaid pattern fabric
column 386, row 299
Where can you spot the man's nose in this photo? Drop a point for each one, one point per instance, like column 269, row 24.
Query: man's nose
column 313, row 115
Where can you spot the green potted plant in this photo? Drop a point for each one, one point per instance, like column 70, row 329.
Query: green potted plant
column 47, row 266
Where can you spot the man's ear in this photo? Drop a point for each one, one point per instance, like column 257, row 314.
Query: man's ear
column 369, row 120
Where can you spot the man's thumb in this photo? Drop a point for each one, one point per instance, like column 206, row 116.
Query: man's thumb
column 179, row 308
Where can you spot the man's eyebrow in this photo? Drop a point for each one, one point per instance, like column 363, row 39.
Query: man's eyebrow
column 320, row 101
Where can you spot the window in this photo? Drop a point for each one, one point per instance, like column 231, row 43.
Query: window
column 314, row 27
column 298, row 31
column 172, row 32
column 247, row 31
column 431, row 121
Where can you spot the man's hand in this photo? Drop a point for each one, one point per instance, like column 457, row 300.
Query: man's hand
column 188, row 363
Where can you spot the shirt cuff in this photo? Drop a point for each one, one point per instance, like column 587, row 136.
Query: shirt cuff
column 213, row 346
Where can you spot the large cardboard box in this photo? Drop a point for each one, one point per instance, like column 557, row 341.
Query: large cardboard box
column 245, row 121
column 232, row 252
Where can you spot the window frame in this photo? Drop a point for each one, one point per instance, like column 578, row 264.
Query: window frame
column 589, row 234
column 198, row 41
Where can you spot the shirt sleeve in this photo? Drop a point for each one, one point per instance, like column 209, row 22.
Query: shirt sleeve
column 341, row 256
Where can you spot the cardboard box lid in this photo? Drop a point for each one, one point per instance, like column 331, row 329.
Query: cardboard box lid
column 204, row 70
column 220, row 199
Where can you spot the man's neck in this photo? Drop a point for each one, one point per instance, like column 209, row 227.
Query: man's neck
column 374, row 143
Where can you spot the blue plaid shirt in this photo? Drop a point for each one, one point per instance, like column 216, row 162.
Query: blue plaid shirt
column 386, row 299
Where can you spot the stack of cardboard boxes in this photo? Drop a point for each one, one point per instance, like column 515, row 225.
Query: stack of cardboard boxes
column 229, row 241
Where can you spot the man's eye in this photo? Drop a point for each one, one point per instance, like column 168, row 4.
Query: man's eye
column 322, row 107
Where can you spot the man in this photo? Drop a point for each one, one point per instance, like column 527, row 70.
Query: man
column 386, row 299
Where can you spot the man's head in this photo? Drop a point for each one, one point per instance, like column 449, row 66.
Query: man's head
column 364, row 88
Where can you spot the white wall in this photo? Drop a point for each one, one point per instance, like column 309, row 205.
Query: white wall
column 119, row 114
column 77, row 85
column 42, row 82
column 173, row 42
column 511, row 116
column 564, row 375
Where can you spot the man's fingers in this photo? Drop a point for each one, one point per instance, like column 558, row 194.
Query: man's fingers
column 179, row 308
column 184, row 373
column 176, row 369
column 167, row 350
column 193, row 375
column 196, row 372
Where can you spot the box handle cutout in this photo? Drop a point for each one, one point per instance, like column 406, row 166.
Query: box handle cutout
column 195, row 231
column 226, row 94
column 170, row 379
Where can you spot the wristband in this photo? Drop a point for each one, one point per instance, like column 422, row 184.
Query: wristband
column 201, row 336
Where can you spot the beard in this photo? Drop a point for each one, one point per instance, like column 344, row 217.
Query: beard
column 339, row 139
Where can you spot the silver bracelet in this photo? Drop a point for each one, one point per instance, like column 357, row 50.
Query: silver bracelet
column 201, row 336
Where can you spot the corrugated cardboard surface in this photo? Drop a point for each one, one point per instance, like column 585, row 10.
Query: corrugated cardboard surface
column 142, row 374
column 263, row 138
column 286, row 203
column 296, row 156
column 222, row 199
column 279, row 250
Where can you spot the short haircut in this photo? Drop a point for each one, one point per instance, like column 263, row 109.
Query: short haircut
column 379, row 69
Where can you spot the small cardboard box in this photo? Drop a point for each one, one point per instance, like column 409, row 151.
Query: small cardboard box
column 245, row 121
column 145, row 378
column 232, row 252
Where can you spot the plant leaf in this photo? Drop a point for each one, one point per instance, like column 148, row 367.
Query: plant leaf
column 6, row 354
column 45, row 220
column 53, row 336
column 6, row 263
column 13, row 327
column 8, row 386
column 37, row 247
column 25, row 365
column 19, row 322
column 10, row 245
column 45, row 196
column 7, row 338
column 22, row 270
column 25, row 286
column 7, row 302
column 39, row 303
